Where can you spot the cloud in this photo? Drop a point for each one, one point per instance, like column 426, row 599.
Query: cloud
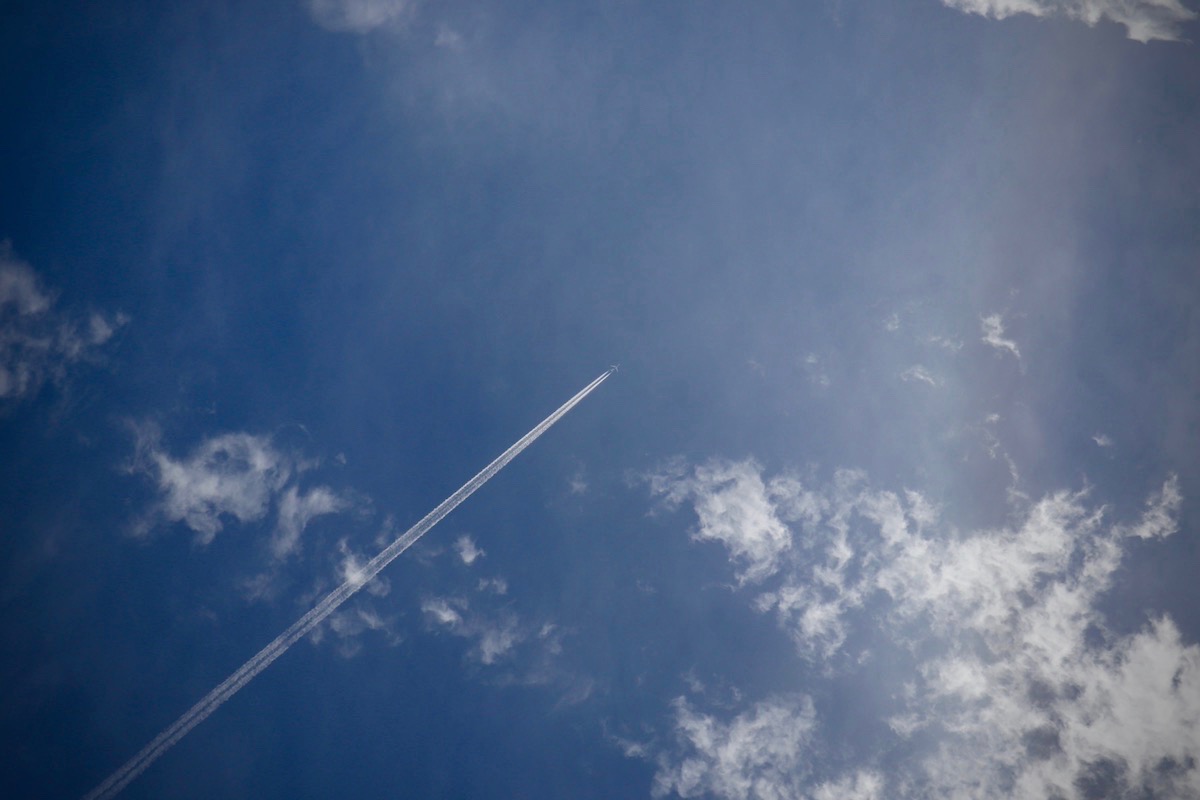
column 359, row 16
column 1015, row 686
column 1102, row 440
column 735, row 508
column 353, row 568
column 37, row 344
column 1162, row 511
column 296, row 510
column 811, row 364
column 577, row 483
column 1144, row 20
column 467, row 550
column 918, row 373
column 494, row 585
column 494, row 637
column 234, row 475
column 348, row 625
column 993, row 335
column 862, row 785
column 758, row 755
column 946, row 343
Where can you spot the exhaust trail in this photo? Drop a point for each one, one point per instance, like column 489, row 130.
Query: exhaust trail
column 301, row 627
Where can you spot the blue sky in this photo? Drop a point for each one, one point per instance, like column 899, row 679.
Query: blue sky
column 892, row 496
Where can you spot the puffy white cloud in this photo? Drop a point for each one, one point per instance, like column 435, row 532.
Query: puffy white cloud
column 467, row 550
column 734, row 508
column 234, row 475
column 761, row 754
column 1017, row 688
column 1144, row 20
column 443, row 611
column 359, row 16
column 37, row 344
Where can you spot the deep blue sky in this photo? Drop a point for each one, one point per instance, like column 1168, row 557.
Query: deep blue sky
column 893, row 495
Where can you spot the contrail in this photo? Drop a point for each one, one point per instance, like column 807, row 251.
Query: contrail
column 301, row 627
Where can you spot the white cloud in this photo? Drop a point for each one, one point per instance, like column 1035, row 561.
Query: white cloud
column 734, row 508
column 359, row 16
column 234, row 474
column 353, row 568
column 1102, row 440
column 758, row 755
column 811, row 364
column 1162, row 511
column 443, row 611
column 37, row 343
column 918, row 373
column 467, row 550
column 1018, row 689
column 946, row 343
column 349, row 624
column 577, row 483
column 1144, row 20
column 494, row 637
column 993, row 335
column 296, row 510
column 237, row 476
column 862, row 785
column 494, row 585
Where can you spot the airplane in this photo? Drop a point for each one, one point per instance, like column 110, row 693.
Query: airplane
column 614, row 367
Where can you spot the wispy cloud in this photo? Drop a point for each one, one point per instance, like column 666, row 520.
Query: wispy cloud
column 349, row 625
column 1144, row 20
column 360, row 16
column 993, row 335
column 815, row 370
column 1020, row 688
column 38, row 343
column 918, row 373
column 761, row 753
column 296, row 510
column 494, row 635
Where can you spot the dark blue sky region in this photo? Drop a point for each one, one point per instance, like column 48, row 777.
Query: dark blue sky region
column 892, row 496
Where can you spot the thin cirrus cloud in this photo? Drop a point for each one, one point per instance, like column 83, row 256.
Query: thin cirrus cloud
column 359, row 16
column 37, row 342
column 232, row 476
column 494, row 638
column 1014, row 684
column 919, row 373
column 1144, row 20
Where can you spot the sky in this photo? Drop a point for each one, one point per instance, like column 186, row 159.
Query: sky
column 892, row 496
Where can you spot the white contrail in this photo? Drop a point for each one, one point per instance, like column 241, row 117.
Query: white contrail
column 301, row 627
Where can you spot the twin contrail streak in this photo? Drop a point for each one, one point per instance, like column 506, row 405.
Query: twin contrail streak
column 301, row 627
